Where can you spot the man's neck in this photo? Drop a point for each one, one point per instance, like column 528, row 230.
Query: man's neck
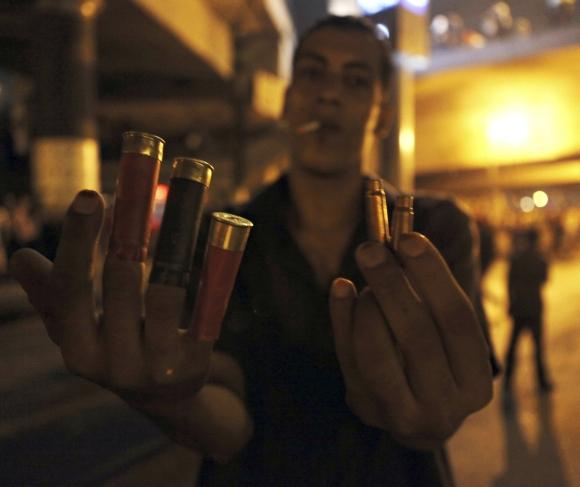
column 324, row 203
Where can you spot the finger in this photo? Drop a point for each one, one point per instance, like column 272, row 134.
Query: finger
column 71, row 283
column 32, row 271
column 172, row 351
column 462, row 338
column 75, row 255
column 164, row 306
column 123, row 315
column 341, row 304
column 359, row 397
column 378, row 363
column 415, row 332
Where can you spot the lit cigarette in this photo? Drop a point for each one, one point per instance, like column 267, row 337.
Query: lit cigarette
column 402, row 218
column 308, row 127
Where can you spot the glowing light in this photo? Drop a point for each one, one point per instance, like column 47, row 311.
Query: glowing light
column 383, row 31
column 159, row 201
column 527, row 204
column 407, row 140
column 90, row 8
column 420, row 5
column 511, row 129
column 440, row 25
column 374, row 6
column 343, row 7
column 540, row 199
column 161, row 193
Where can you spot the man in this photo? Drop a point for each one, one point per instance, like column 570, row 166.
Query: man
column 319, row 379
column 528, row 272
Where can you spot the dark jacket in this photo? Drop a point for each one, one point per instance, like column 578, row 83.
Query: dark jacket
column 278, row 328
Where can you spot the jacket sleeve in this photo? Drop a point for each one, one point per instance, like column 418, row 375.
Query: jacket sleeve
column 454, row 233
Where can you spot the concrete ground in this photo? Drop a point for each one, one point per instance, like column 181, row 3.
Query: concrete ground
column 533, row 439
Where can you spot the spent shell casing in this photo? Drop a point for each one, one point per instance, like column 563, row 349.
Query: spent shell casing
column 402, row 218
column 376, row 212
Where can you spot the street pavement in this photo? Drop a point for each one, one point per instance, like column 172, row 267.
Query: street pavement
column 59, row 430
column 529, row 439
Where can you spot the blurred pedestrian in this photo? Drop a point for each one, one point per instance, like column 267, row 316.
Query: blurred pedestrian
column 528, row 271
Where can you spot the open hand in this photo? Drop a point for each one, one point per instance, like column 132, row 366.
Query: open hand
column 133, row 347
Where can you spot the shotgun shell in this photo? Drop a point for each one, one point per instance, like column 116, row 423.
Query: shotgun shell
column 140, row 162
column 225, row 247
column 190, row 179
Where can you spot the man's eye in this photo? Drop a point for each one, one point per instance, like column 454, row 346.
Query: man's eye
column 357, row 81
column 310, row 72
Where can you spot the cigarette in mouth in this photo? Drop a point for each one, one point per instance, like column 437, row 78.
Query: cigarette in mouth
column 308, row 127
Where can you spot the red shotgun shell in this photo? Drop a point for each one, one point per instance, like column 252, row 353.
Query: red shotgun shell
column 225, row 247
column 140, row 162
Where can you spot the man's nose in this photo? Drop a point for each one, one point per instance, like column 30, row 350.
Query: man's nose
column 330, row 89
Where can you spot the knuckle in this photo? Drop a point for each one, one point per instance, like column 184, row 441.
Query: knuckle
column 161, row 376
column 442, row 422
column 445, row 425
column 480, row 397
column 79, row 365
column 462, row 313
column 390, row 281
column 123, row 379
column 407, row 424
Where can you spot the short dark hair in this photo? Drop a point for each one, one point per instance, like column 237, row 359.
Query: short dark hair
column 360, row 24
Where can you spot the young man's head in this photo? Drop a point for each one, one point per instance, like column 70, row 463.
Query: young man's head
column 342, row 77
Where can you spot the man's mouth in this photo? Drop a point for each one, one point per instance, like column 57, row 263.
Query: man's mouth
column 329, row 127
column 318, row 127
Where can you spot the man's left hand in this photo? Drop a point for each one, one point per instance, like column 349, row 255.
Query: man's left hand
column 412, row 353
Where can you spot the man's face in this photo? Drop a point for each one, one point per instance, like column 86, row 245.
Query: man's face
column 336, row 82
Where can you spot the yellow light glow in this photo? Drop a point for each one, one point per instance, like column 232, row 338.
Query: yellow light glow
column 90, row 7
column 540, row 199
column 509, row 129
column 503, row 114
column 407, row 141
column 527, row 204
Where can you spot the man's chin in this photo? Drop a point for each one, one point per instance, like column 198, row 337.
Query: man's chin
column 326, row 169
column 323, row 173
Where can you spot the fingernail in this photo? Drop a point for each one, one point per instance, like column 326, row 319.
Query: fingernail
column 412, row 245
column 85, row 202
column 372, row 254
column 341, row 288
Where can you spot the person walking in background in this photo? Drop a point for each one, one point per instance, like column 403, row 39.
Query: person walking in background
column 528, row 271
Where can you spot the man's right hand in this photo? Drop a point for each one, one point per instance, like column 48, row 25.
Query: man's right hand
column 133, row 347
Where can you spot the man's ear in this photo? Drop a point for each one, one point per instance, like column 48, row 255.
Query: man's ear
column 385, row 120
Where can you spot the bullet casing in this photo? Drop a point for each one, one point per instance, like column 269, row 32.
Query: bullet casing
column 403, row 216
column 376, row 212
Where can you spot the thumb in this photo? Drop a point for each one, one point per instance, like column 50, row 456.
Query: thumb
column 32, row 271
